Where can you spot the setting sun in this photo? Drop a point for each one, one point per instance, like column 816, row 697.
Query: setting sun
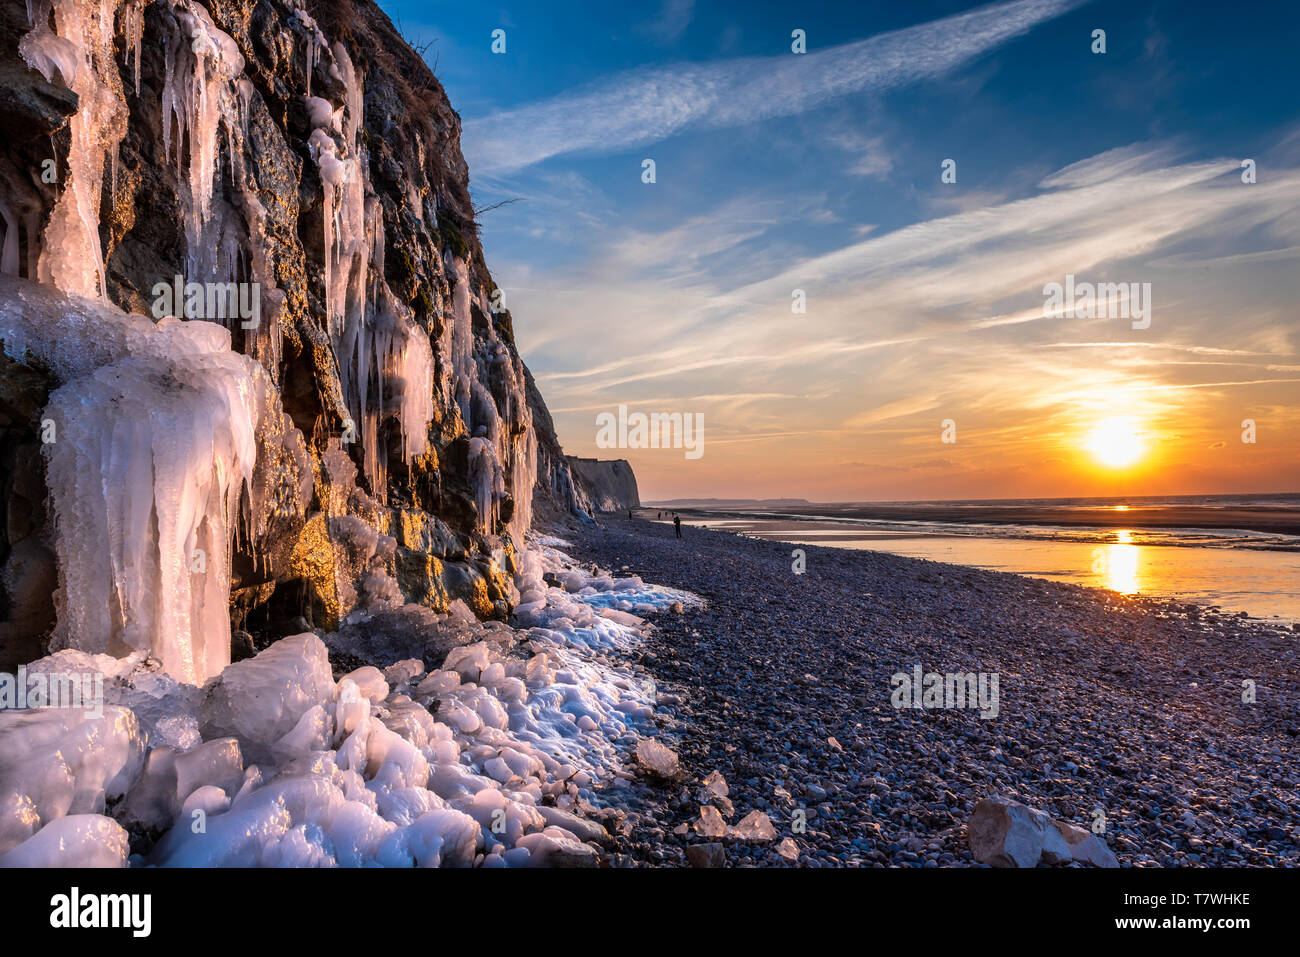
column 1116, row 443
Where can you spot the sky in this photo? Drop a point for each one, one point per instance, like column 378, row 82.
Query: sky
column 927, row 362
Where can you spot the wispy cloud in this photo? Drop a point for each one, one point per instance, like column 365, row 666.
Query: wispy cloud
column 674, row 17
column 942, row 318
column 647, row 105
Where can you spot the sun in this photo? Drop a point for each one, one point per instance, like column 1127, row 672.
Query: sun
column 1116, row 443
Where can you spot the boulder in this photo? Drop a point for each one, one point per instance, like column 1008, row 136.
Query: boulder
column 1086, row 847
column 1006, row 833
column 706, row 855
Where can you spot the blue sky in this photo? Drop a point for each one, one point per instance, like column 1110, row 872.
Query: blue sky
column 822, row 172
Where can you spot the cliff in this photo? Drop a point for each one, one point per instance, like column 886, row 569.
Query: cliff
column 342, row 420
column 605, row 485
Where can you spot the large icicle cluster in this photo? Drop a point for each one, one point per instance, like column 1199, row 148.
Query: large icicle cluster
column 154, row 467
column 501, row 447
column 382, row 352
column 205, row 107
column 504, row 756
column 79, row 53
column 156, row 435
column 168, row 440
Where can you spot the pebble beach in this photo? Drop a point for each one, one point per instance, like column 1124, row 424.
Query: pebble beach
column 1167, row 729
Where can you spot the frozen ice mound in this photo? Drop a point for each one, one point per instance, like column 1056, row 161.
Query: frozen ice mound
column 159, row 431
column 164, row 706
column 57, row 762
column 492, row 757
column 261, row 699
column 78, row 840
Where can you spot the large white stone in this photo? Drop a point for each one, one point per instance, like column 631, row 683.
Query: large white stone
column 1006, row 833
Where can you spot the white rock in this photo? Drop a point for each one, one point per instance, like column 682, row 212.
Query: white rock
column 1086, row 847
column 1006, row 833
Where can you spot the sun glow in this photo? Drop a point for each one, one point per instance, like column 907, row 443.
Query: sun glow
column 1116, row 443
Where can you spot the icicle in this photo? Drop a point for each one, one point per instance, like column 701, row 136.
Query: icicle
column 200, row 95
column 161, row 431
column 9, row 241
column 301, row 22
column 80, row 50
column 132, row 20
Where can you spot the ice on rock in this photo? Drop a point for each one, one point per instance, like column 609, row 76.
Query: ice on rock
column 55, row 762
column 80, row 51
column 163, row 706
column 361, row 772
column 469, row 662
column 19, row 819
column 217, row 763
column 438, row 838
column 580, row 827
column 755, row 826
column 159, row 431
column 557, row 850
column 313, row 732
column 656, row 758
column 370, row 682
column 402, row 675
column 200, row 95
column 261, row 700
column 78, row 840
column 209, row 799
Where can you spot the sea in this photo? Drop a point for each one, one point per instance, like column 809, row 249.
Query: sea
column 1239, row 553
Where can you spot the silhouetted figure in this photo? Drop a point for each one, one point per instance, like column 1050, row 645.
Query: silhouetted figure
column 629, row 514
column 677, row 524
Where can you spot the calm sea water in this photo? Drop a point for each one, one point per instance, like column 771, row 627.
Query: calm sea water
column 1188, row 549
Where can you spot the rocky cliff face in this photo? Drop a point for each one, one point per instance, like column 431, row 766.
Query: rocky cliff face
column 353, row 423
column 605, row 485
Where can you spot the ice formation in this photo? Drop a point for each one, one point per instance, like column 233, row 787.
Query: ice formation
column 156, row 464
column 385, row 360
column 499, row 446
column 206, row 102
column 169, row 445
column 503, row 756
column 79, row 51
column 158, row 433
column 200, row 99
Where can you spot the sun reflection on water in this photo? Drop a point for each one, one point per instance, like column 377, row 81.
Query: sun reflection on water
column 1121, row 564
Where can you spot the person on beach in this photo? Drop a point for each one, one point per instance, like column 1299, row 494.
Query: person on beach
column 677, row 524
